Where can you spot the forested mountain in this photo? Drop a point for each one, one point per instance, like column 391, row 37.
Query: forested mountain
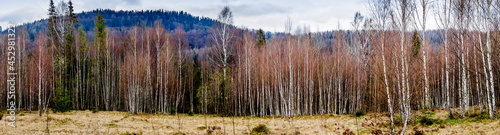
column 197, row 28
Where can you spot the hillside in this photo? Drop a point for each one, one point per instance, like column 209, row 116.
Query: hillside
column 197, row 28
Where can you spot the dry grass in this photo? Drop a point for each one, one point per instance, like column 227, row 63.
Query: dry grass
column 115, row 123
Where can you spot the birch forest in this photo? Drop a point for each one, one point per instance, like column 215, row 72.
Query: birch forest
column 389, row 62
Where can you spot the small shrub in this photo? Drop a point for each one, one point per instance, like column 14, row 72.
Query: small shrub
column 360, row 112
column 62, row 102
column 482, row 115
column 95, row 110
column 398, row 120
column 202, row 128
column 260, row 129
column 429, row 121
column 430, row 113
column 173, row 111
column 476, row 117
column 190, row 113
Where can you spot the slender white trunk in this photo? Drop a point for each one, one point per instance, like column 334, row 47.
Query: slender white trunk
column 488, row 57
column 389, row 104
column 40, row 80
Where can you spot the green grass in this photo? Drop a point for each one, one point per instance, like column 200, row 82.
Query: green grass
column 423, row 120
column 475, row 117
column 202, row 127
column 479, row 117
column 456, row 121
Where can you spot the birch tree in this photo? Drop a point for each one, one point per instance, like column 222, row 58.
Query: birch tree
column 380, row 10
column 443, row 20
column 401, row 17
column 424, row 5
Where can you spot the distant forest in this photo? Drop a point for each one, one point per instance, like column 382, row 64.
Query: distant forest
column 197, row 28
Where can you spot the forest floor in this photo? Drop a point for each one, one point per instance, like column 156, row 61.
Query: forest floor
column 114, row 122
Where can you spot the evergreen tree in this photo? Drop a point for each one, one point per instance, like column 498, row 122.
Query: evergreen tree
column 69, row 53
column 415, row 44
column 51, row 24
column 62, row 101
column 261, row 38
column 101, row 58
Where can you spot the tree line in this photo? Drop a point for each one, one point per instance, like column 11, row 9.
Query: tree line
column 385, row 63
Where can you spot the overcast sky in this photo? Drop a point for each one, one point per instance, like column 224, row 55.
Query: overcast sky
column 269, row 15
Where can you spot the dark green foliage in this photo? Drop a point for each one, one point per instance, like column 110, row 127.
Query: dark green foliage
column 261, row 37
column 260, row 129
column 71, row 16
column 202, row 127
column 194, row 84
column 429, row 121
column 69, row 53
column 100, row 31
column 479, row 116
column 1, row 116
column 398, row 120
column 190, row 113
column 173, row 111
column 51, row 24
column 95, row 110
column 62, row 102
column 199, row 26
column 360, row 112
column 179, row 133
column 415, row 44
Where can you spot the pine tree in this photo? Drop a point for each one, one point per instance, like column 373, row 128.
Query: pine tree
column 100, row 42
column 415, row 44
column 261, row 37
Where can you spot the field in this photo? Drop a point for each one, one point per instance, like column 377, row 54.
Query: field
column 113, row 122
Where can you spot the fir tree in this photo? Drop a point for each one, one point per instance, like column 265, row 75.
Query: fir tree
column 261, row 38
